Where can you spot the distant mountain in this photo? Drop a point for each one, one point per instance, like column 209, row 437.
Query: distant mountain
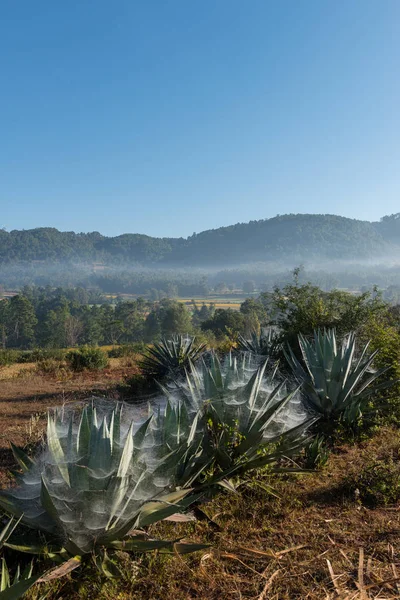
column 299, row 237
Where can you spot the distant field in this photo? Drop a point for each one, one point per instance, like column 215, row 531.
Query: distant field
column 222, row 301
column 219, row 301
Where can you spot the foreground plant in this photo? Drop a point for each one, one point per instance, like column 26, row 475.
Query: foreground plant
column 12, row 588
column 93, row 490
column 171, row 357
column 336, row 385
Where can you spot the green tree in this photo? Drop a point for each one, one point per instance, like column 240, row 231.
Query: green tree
column 169, row 317
column 21, row 322
column 225, row 322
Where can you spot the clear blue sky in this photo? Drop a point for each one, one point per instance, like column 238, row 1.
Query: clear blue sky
column 169, row 117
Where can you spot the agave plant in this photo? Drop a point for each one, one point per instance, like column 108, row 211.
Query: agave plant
column 265, row 343
column 97, row 482
column 246, row 421
column 171, row 357
column 336, row 384
column 14, row 588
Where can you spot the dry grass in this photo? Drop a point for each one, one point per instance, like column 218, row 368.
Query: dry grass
column 312, row 542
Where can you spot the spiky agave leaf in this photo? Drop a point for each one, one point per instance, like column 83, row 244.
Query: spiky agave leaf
column 335, row 384
column 170, row 357
column 263, row 344
column 13, row 588
column 97, row 478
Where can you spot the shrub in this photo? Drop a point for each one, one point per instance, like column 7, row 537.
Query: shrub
column 8, row 357
column 49, row 366
column 138, row 387
column 11, row 356
column 87, row 357
column 376, row 481
column 39, row 354
column 316, row 453
column 249, row 420
column 263, row 344
column 385, row 338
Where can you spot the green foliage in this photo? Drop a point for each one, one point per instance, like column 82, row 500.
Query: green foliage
column 336, row 385
column 316, row 453
column 282, row 236
column 171, row 357
column 378, row 482
column 385, row 338
column 87, row 357
column 302, row 309
column 12, row 588
column 225, row 322
column 267, row 343
column 9, row 357
column 375, row 477
column 167, row 318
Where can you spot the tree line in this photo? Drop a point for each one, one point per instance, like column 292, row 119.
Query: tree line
column 61, row 318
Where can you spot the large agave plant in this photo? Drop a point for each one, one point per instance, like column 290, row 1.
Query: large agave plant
column 245, row 421
column 263, row 344
column 336, row 384
column 97, row 481
column 171, row 357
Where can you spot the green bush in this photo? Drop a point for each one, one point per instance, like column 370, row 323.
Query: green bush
column 87, row 357
column 11, row 356
column 376, row 481
column 316, row 453
column 8, row 357
column 383, row 336
column 39, row 354
column 49, row 366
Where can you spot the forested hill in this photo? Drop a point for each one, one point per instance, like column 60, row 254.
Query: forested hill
column 283, row 237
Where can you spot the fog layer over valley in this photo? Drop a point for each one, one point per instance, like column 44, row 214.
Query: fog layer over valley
column 334, row 251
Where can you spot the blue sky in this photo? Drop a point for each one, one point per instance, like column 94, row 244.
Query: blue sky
column 171, row 117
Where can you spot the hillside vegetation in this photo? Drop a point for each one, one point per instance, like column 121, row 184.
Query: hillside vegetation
column 306, row 236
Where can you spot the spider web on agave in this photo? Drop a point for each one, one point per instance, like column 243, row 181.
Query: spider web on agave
column 244, row 411
column 100, row 476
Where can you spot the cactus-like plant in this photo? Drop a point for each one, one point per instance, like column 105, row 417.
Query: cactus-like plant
column 98, row 480
column 248, row 421
column 171, row 357
column 263, row 344
column 336, row 385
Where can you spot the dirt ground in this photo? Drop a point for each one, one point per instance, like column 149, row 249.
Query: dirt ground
column 26, row 395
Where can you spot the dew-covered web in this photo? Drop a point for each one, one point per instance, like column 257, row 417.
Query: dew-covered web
column 92, row 487
column 230, row 377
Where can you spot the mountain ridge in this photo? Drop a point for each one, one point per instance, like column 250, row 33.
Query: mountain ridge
column 304, row 235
